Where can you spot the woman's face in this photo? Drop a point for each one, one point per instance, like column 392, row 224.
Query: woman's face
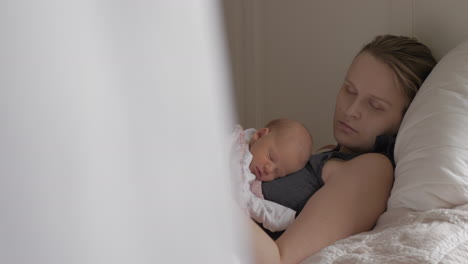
column 370, row 103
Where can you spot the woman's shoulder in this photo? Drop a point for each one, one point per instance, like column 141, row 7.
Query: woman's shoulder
column 368, row 167
column 371, row 161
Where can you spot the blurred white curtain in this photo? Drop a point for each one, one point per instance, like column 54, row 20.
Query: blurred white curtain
column 113, row 120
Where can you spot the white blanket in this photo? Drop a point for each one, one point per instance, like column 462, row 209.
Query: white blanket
column 405, row 236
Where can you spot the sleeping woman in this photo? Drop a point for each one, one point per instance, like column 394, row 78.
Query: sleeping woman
column 344, row 191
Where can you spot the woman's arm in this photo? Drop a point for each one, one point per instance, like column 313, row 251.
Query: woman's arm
column 265, row 249
column 351, row 201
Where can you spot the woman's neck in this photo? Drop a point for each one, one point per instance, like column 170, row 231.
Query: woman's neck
column 344, row 149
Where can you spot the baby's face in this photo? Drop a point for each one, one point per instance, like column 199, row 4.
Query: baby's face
column 275, row 157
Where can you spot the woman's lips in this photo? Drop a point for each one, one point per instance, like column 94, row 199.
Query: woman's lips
column 346, row 128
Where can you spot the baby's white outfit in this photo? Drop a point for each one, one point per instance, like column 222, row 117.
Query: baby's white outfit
column 273, row 216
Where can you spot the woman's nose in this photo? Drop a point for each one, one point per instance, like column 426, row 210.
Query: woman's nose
column 354, row 110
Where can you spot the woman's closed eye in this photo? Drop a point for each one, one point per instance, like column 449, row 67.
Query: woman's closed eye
column 376, row 105
column 350, row 90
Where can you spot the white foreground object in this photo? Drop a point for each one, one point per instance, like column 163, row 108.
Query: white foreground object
column 113, row 120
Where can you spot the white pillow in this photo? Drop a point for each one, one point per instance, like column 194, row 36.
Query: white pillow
column 431, row 150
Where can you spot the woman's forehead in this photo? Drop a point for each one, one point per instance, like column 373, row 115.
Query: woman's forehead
column 370, row 75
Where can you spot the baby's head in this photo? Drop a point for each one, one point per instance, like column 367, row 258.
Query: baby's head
column 281, row 148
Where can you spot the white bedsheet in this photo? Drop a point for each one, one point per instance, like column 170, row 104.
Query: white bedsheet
column 405, row 236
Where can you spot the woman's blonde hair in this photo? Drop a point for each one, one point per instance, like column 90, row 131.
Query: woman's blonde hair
column 410, row 60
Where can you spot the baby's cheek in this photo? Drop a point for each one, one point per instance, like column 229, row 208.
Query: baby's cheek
column 277, row 173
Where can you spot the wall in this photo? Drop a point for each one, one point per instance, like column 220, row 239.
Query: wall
column 289, row 58
column 441, row 25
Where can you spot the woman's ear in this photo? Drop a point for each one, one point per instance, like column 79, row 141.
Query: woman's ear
column 260, row 133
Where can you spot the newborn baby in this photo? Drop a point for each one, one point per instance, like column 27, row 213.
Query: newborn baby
column 282, row 147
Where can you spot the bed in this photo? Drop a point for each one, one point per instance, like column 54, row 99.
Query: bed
column 427, row 213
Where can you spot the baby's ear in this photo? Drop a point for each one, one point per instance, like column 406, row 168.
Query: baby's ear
column 260, row 133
